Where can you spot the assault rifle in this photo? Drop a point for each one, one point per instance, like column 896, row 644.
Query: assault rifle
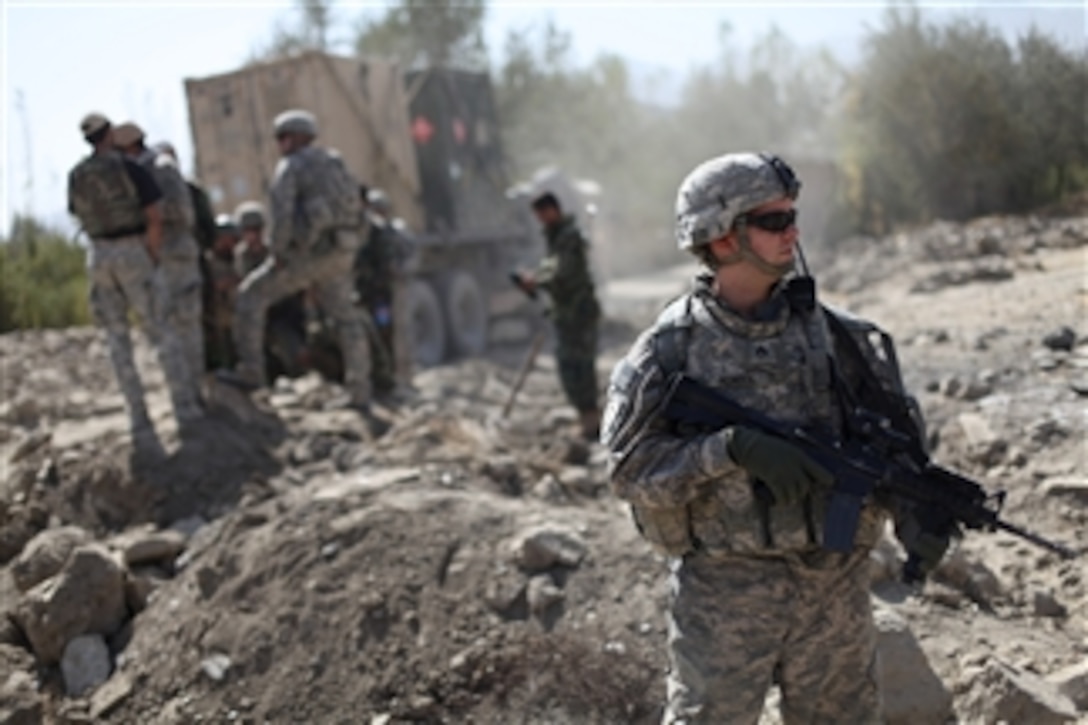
column 876, row 461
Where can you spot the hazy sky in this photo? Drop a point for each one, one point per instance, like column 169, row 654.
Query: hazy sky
column 128, row 58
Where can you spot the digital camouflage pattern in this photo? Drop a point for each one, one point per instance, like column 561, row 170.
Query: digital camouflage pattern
column 179, row 261
column 316, row 214
column 329, row 274
column 744, row 574
column 717, row 191
column 312, row 195
column 103, row 197
column 737, row 624
column 565, row 274
column 177, row 200
column 122, row 277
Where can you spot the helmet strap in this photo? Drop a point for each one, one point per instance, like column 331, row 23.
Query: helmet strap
column 747, row 253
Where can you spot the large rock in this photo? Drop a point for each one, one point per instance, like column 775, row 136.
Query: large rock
column 86, row 597
column 983, row 445
column 540, row 549
column 85, row 664
column 1073, row 683
column 19, row 700
column 973, row 578
column 912, row 691
column 1003, row 693
column 46, row 554
column 150, row 547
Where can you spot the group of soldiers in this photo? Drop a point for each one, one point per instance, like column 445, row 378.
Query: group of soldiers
column 317, row 281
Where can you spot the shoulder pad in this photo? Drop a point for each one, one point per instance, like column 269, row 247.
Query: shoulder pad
column 677, row 313
column 670, row 334
column 854, row 324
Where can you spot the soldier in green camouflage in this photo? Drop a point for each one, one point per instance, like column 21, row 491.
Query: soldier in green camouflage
column 754, row 597
column 180, row 254
column 315, row 219
column 118, row 205
column 565, row 275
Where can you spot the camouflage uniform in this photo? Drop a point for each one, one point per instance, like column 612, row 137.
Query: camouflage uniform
column 123, row 277
column 315, row 213
column 375, row 270
column 753, row 596
column 565, row 275
column 204, row 232
column 180, row 261
column 755, row 599
column 285, row 332
column 221, row 286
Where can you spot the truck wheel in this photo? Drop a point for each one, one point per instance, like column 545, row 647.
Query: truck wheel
column 428, row 326
column 466, row 314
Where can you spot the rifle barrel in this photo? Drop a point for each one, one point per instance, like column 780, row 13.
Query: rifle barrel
column 1062, row 551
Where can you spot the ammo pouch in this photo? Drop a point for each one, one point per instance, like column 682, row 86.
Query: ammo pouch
column 667, row 529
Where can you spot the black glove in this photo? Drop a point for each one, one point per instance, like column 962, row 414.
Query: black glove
column 925, row 553
column 778, row 464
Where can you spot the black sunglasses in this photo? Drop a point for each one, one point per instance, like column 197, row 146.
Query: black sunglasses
column 772, row 221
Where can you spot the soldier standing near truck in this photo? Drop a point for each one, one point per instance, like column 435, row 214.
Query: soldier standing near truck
column 205, row 231
column 382, row 269
column 564, row 274
column 117, row 203
column 285, row 336
column 180, row 257
column 315, row 215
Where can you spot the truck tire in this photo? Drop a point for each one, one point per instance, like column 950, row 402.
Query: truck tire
column 428, row 324
column 466, row 314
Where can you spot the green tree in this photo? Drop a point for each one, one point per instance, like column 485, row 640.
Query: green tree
column 43, row 279
column 952, row 121
column 427, row 33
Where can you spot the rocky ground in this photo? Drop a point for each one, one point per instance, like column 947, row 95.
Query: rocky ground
column 466, row 567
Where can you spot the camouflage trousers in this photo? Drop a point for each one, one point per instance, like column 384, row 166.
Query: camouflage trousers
column 330, row 273
column 123, row 277
column 179, row 262
column 738, row 624
column 576, row 358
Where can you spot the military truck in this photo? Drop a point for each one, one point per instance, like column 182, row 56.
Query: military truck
column 429, row 138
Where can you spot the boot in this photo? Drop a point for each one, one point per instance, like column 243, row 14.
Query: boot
column 591, row 424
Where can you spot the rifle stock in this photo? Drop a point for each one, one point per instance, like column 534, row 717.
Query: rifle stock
column 872, row 464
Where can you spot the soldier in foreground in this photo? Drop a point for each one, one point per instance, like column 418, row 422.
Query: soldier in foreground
column 564, row 274
column 315, row 234
column 180, row 257
column 755, row 599
column 118, row 205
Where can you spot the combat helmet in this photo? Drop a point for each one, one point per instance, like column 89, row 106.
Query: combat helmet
column 127, row 133
column 295, row 121
column 718, row 191
column 378, row 201
column 224, row 224
column 93, row 123
column 249, row 215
